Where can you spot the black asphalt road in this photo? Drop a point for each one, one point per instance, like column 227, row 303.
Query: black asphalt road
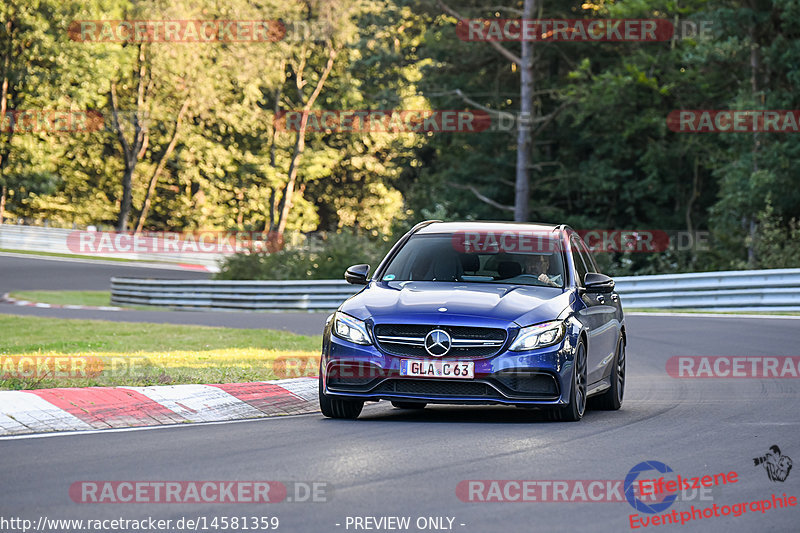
column 394, row 463
column 36, row 273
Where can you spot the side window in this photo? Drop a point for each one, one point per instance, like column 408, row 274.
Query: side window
column 591, row 266
column 577, row 258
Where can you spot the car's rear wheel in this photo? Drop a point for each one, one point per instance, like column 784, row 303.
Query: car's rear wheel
column 409, row 405
column 338, row 407
column 611, row 399
column 573, row 411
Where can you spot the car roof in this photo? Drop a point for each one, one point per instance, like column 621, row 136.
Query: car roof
column 485, row 226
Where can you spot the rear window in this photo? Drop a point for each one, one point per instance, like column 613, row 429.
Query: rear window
column 444, row 257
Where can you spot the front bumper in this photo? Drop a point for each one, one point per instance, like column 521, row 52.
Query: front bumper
column 539, row 377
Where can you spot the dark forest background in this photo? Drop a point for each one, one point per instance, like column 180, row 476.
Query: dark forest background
column 193, row 145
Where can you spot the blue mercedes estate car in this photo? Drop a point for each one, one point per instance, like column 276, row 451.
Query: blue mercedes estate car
column 478, row 313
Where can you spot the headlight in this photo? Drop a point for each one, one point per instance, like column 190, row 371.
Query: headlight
column 539, row 336
column 350, row 329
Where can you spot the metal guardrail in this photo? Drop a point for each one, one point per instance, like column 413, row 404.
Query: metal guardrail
column 311, row 295
column 746, row 290
column 738, row 290
column 56, row 240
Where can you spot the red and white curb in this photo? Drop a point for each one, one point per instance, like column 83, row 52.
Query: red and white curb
column 91, row 408
column 6, row 298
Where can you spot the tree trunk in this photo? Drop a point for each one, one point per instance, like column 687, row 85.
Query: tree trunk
column 288, row 191
column 693, row 196
column 131, row 151
column 160, row 167
column 524, row 124
column 125, row 205
column 239, row 209
column 3, row 193
column 6, row 149
column 300, row 143
column 4, row 96
column 276, row 109
column 750, row 222
column 269, row 223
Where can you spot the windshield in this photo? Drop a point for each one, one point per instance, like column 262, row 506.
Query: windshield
column 444, row 257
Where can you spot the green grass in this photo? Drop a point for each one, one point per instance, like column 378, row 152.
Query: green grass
column 114, row 353
column 657, row 310
column 92, row 298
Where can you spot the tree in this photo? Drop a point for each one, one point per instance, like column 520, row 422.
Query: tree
column 526, row 119
column 41, row 71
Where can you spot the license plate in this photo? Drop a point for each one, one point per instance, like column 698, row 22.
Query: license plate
column 435, row 368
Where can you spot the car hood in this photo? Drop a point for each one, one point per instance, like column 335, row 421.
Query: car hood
column 485, row 303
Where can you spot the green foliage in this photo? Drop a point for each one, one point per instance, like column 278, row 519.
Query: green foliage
column 321, row 257
column 777, row 244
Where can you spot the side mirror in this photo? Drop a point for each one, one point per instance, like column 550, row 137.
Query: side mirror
column 357, row 274
column 598, row 283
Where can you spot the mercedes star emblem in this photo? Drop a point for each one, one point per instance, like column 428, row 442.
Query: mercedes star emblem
column 437, row 342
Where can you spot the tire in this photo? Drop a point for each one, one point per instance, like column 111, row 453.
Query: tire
column 332, row 407
column 573, row 411
column 409, row 405
column 611, row 399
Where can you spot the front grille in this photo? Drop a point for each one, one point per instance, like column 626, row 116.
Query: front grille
column 419, row 351
column 528, row 383
column 408, row 340
column 428, row 387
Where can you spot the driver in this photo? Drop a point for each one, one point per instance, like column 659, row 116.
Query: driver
column 538, row 265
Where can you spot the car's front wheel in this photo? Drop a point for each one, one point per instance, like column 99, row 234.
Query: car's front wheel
column 573, row 411
column 338, row 407
column 611, row 399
